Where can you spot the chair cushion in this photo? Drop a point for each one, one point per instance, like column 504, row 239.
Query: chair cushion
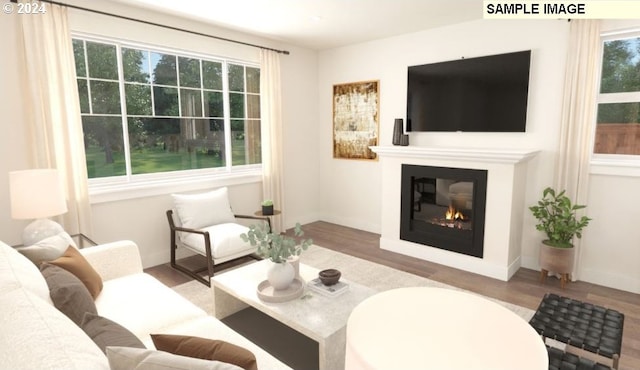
column 196, row 211
column 225, row 240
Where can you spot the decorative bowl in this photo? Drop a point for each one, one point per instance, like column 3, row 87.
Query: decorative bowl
column 329, row 276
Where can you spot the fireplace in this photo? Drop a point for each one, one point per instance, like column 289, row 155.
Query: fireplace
column 444, row 208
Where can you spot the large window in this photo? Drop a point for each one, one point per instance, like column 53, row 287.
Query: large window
column 618, row 118
column 148, row 111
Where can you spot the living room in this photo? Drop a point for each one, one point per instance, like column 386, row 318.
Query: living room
column 318, row 187
column 345, row 192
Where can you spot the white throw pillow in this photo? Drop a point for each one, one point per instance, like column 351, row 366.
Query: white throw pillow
column 17, row 272
column 127, row 358
column 196, row 211
column 47, row 249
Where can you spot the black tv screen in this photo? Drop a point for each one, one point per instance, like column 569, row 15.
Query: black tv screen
column 484, row 94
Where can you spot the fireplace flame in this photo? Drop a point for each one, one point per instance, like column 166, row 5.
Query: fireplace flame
column 453, row 214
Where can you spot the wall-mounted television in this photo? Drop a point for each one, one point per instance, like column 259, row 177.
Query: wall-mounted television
column 483, row 94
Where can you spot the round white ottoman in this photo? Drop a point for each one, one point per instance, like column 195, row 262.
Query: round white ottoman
column 435, row 328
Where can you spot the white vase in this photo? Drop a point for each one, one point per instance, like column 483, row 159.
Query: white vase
column 280, row 275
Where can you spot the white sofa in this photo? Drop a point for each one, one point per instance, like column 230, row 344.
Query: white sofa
column 35, row 335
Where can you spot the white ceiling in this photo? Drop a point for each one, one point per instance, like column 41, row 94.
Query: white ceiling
column 321, row 24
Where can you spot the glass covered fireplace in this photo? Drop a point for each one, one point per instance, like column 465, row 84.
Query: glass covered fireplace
column 444, row 207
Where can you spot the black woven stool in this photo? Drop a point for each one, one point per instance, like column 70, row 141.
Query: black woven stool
column 583, row 325
column 560, row 360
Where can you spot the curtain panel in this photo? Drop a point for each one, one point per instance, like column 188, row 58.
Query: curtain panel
column 53, row 112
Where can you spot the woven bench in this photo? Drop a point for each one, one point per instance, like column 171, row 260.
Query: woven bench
column 561, row 360
column 592, row 328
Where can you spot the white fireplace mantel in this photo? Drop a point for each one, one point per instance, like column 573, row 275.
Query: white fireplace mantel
column 490, row 155
column 505, row 204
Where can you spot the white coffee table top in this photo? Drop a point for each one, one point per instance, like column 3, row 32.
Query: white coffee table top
column 437, row 328
column 313, row 314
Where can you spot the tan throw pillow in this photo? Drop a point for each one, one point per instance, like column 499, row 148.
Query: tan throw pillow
column 208, row 349
column 75, row 263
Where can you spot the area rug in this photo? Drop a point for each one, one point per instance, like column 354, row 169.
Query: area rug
column 371, row 274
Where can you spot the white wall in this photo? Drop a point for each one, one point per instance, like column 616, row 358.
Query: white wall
column 143, row 219
column 351, row 190
column 342, row 191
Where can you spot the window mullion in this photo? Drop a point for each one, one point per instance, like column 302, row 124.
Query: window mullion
column 86, row 64
column 123, row 110
column 227, row 116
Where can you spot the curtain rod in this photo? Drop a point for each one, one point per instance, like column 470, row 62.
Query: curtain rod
column 285, row 52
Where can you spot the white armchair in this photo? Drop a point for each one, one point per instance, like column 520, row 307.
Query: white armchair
column 205, row 224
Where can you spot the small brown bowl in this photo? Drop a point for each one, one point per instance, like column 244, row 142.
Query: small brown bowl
column 329, row 276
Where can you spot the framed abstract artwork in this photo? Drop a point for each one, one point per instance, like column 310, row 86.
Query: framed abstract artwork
column 356, row 119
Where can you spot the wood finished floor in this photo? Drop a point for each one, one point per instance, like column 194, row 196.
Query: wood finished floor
column 523, row 289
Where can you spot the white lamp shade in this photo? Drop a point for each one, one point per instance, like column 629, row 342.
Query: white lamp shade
column 36, row 194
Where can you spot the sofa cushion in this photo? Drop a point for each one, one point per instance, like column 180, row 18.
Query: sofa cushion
column 47, row 249
column 35, row 335
column 68, row 293
column 16, row 271
column 125, row 358
column 204, row 209
column 143, row 304
column 207, row 349
column 105, row 332
column 75, row 263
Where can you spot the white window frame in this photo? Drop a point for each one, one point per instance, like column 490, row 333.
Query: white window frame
column 129, row 186
column 613, row 164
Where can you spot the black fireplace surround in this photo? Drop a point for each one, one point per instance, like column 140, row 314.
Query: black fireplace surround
column 426, row 196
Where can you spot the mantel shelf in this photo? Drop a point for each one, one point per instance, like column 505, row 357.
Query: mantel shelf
column 491, row 155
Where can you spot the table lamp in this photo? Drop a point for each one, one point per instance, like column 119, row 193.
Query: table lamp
column 37, row 194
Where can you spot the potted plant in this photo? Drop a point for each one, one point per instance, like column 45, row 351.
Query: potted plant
column 267, row 207
column 557, row 218
column 278, row 248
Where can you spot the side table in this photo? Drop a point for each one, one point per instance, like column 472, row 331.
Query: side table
column 260, row 214
column 83, row 241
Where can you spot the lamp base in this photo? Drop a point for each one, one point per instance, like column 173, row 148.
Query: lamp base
column 40, row 229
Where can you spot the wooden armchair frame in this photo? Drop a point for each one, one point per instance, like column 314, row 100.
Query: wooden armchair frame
column 207, row 244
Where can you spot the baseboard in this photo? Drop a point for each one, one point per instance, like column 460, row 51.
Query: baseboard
column 610, row 280
column 351, row 222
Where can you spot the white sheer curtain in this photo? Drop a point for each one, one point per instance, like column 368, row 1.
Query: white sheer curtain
column 271, row 129
column 52, row 108
column 578, row 115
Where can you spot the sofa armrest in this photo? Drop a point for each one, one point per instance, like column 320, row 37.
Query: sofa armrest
column 114, row 260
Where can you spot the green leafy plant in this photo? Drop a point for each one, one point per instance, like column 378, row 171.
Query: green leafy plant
column 267, row 202
column 274, row 246
column 557, row 218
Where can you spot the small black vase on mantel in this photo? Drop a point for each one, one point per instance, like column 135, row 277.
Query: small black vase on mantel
column 399, row 137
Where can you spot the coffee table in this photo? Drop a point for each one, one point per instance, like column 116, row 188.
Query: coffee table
column 320, row 318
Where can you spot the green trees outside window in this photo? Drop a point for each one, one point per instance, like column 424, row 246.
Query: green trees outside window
column 618, row 117
column 146, row 111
